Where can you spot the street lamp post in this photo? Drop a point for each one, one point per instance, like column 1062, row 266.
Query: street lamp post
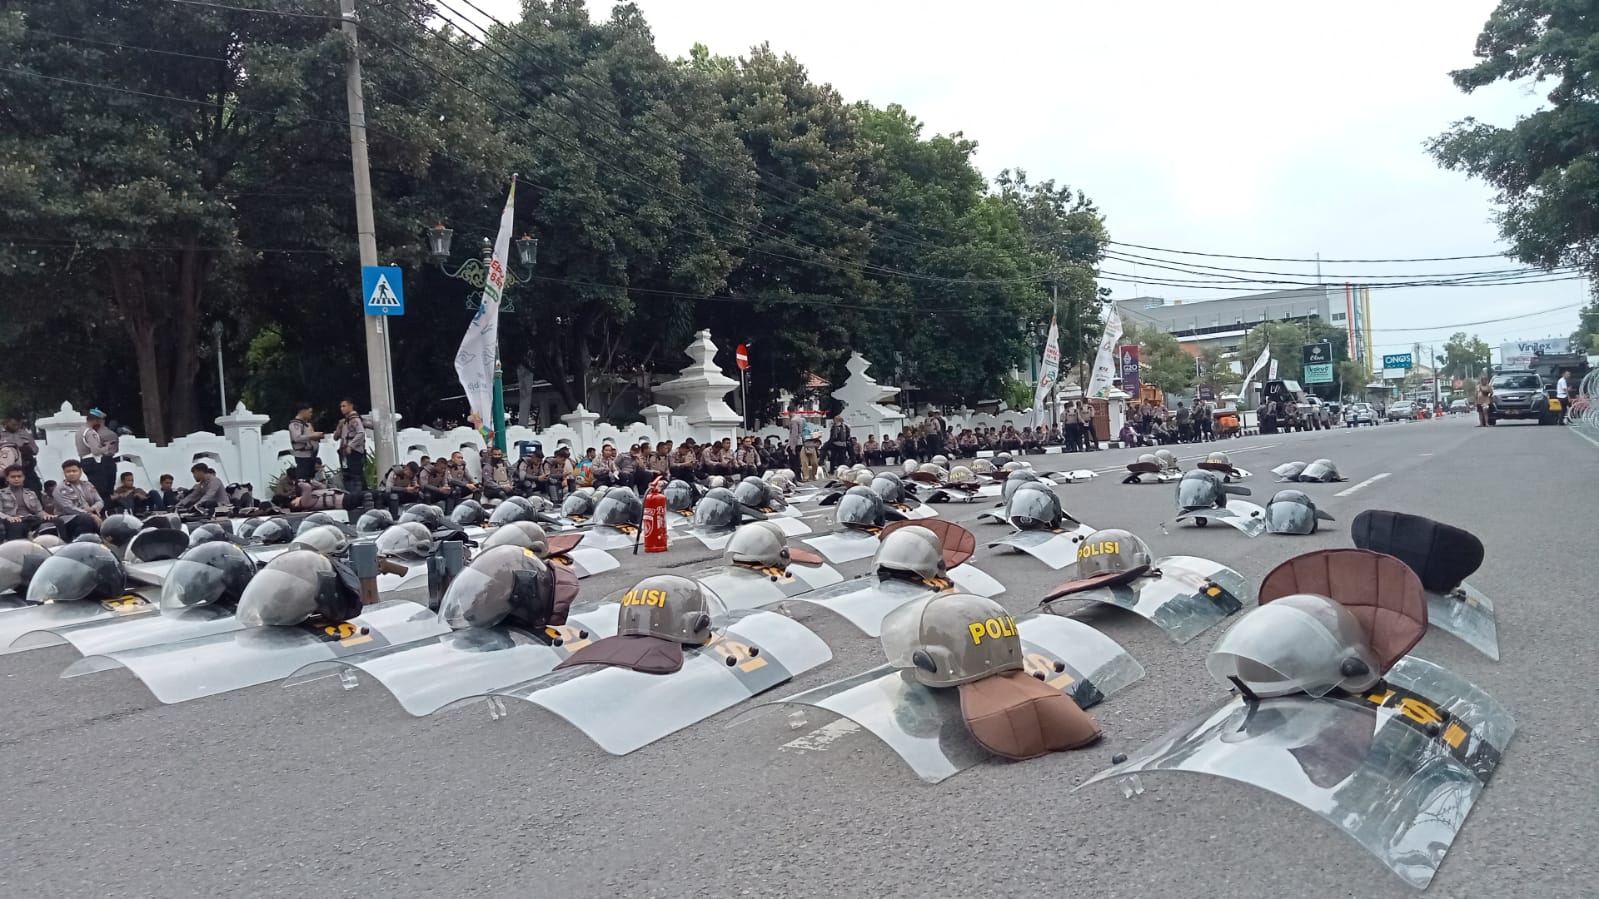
column 474, row 271
column 222, row 388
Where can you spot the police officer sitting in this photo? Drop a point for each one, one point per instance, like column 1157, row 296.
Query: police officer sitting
column 497, row 483
column 78, row 504
column 400, row 487
column 129, row 498
column 20, row 508
column 207, row 493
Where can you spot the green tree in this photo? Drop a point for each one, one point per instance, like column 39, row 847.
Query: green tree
column 1354, row 377
column 1464, row 357
column 1214, row 370
column 1286, row 340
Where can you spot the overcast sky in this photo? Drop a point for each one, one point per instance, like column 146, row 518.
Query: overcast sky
column 1259, row 129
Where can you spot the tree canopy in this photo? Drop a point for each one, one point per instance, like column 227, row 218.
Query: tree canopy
column 180, row 167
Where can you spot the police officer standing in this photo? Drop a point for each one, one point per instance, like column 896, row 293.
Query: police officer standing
column 838, row 443
column 97, row 453
column 17, row 447
column 303, row 441
column 351, row 435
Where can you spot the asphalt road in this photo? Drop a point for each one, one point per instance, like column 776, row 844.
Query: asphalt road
column 314, row 791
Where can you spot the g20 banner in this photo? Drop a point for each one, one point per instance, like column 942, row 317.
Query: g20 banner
column 1128, row 358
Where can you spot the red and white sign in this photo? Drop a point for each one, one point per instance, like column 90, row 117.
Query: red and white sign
column 742, row 354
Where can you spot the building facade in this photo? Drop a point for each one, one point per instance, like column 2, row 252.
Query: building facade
column 1222, row 323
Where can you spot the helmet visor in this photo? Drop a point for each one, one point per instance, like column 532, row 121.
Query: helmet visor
column 616, row 510
column 901, row 634
column 189, row 583
column 1278, row 650
column 716, row 513
column 279, row 597
column 1197, row 493
column 476, row 598
column 1290, row 517
column 62, row 578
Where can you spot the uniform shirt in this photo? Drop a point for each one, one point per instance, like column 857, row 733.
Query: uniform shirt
column 749, row 456
column 529, row 468
column 398, row 478
column 300, row 441
column 497, row 474
column 351, row 434
column 79, row 497
column 27, row 449
column 558, row 468
column 625, row 466
column 1560, row 388
column 96, row 442
column 603, row 465
column 684, row 455
column 19, row 502
column 209, row 490
column 457, row 474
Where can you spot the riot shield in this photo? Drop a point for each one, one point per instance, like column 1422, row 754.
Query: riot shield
column 144, row 628
column 842, row 546
column 740, row 587
column 584, row 561
column 53, row 615
column 1057, row 549
column 1246, row 517
column 622, row 710
column 1397, row 769
column 924, row 725
column 178, row 672
column 1465, row 613
column 608, row 538
column 1185, row 597
column 864, row 600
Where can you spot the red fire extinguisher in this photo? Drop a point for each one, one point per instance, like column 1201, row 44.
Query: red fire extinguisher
column 655, row 519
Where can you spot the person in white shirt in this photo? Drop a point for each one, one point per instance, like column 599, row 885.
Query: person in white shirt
column 1562, row 390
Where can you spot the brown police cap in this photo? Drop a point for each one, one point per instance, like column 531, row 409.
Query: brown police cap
column 650, row 655
column 1017, row 716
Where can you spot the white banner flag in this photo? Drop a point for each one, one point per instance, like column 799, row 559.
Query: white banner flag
column 1265, row 355
column 474, row 361
column 1273, row 370
column 1048, row 373
column 1105, row 367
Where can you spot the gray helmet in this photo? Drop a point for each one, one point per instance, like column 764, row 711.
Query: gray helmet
column 859, row 507
column 316, row 520
column 524, row 534
column 961, row 474
column 208, row 533
column 373, row 521
column 245, row 529
column 292, row 588
column 759, row 543
column 1321, row 470
column 272, row 532
column 679, row 495
column 1003, row 459
column 936, row 471
column 1201, row 489
column 1034, row 507
column 717, row 511
column 862, row 478
column 428, row 516
column 983, row 466
column 892, row 490
column 1301, row 643
column 753, row 492
column 619, row 506
column 1016, row 479
column 1166, row 459
column 715, row 481
column 578, row 505
column 504, row 582
column 154, row 545
column 19, row 559
column 1013, row 466
column 941, row 460
column 1217, row 459
column 1148, row 459
column 469, row 514
column 77, row 571
column 327, row 539
column 1289, row 471
column 911, row 550
column 214, row 572
column 667, row 606
column 1112, row 551
column 410, row 539
column 514, row 508
column 48, row 541
column 117, row 530
column 951, row 639
column 1292, row 512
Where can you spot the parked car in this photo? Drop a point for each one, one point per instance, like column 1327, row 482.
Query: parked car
column 1521, row 394
column 1404, row 410
column 1357, row 414
column 1459, row 406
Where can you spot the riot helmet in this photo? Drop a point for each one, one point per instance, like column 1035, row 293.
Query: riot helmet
column 410, row 539
column 667, row 606
column 214, row 572
column 1217, row 461
column 715, row 481
column 760, row 544
column 524, row 534
column 327, row 539
column 679, row 495
column 19, row 559
column 77, row 571
column 579, row 505
column 620, row 507
column 316, row 520
column 245, row 529
column 950, row 639
column 469, row 514
column 1301, row 643
column 1293, row 512
column 1034, row 507
column 753, row 492
column 513, row 508
column 1200, row 489
column 292, row 588
column 272, row 532
column 209, row 533
column 717, row 511
column 1013, row 466
column 428, row 516
column 1148, row 459
column 890, row 489
column 781, row 483
column 911, row 550
column 936, row 471
column 982, row 466
column 941, row 460
column 1166, row 459
column 910, row 466
column 1112, row 554
column 862, row 478
column 373, row 521
column 502, row 583
column 1016, row 479
column 1003, row 459
column 154, row 545
column 117, row 530
column 961, row 474
column 164, row 521
column 48, row 541
column 1289, row 471
column 1321, row 470
column 860, row 508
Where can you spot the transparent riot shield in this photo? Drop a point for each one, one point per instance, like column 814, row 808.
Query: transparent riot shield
column 178, row 672
column 1057, row 549
column 843, row 546
column 585, row 561
column 622, row 710
column 1187, row 597
column 864, row 601
column 52, row 615
column 1397, row 768
column 750, row 588
column 104, row 635
column 924, row 725
column 1468, row 615
column 1248, row 518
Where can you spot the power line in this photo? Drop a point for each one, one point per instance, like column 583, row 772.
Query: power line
column 1191, row 267
column 1117, row 243
column 255, row 9
column 115, row 45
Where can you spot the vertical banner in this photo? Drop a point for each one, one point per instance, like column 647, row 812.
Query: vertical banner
column 1272, row 372
column 1099, row 383
column 480, row 348
column 1048, row 372
column 1265, row 355
column 1132, row 378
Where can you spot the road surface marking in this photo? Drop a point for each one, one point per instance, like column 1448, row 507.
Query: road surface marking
column 1578, row 431
column 1366, row 483
column 824, row 736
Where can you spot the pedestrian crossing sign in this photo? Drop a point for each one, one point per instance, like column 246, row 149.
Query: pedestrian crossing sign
column 384, row 289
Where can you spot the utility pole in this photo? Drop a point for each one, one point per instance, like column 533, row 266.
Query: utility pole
column 377, row 331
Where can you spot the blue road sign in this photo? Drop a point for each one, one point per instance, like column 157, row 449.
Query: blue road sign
column 1397, row 360
column 384, row 289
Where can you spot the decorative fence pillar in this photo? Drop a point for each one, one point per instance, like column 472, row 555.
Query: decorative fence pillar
column 582, row 421
column 863, row 401
column 243, row 429
column 701, row 387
